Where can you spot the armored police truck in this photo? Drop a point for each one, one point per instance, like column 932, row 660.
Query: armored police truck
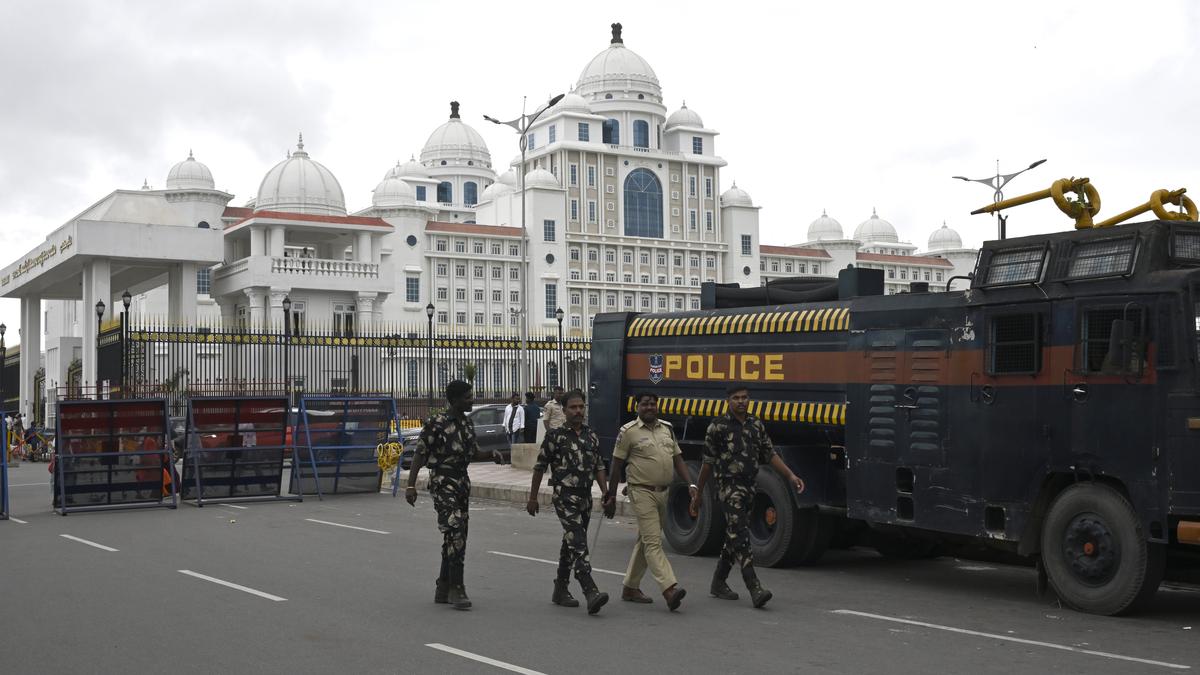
column 1051, row 410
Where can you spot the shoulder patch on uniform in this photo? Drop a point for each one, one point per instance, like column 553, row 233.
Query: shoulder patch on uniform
column 629, row 424
column 662, row 421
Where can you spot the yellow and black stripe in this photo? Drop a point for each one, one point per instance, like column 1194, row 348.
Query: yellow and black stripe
column 833, row 414
column 795, row 321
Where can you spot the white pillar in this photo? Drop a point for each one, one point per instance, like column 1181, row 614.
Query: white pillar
column 256, row 301
column 362, row 247
column 181, row 294
column 258, row 243
column 364, row 308
column 96, row 287
column 275, row 309
column 31, row 350
column 278, row 237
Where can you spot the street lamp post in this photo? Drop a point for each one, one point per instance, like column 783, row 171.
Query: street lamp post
column 997, row 184
column 429, row 314
column 522, row 124
column 99, row 318
column 126, row 300
column 3, row 363
column 558, row 316
column 287, row 340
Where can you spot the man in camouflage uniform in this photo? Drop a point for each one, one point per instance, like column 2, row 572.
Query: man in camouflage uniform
column 735, row 445
column 446, row 445
column 572, row 455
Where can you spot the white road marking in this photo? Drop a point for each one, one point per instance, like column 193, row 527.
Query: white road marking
column 551, row 562
column 234, row 506
column 1009, row 638
column 483, row 659
column 230, row 584
column 102, row 547
column 348, row 527
column 27, row 484
column 18, row 520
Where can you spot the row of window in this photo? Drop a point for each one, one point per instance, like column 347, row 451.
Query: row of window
column 445, row 193
column 1015, row 343
column 789, row 267
column 478, row 247
column 627, row 277
column 460, row 270
column 660, row 258
column 478, row 294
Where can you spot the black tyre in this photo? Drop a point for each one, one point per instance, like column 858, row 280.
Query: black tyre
column 688, row 535
column 1095, row 552
column 780, row 534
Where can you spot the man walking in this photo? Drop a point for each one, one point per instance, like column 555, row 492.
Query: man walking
column 514, row 419
column 735, row 445
column 446, row 445
column 532, row 413
column 552, row 414
column 572, row 455
column 646, row 447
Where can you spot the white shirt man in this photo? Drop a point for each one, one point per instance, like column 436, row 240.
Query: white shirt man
column 514, row 420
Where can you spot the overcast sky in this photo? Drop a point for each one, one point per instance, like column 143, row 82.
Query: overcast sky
column 842, row 106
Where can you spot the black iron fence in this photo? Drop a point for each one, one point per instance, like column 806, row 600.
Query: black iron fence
column 145, row 359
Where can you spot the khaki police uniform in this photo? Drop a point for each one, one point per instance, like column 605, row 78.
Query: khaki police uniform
column 649, row 454
column 553, row 415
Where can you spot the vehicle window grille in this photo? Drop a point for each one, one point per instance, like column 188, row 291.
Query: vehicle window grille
column 1016, row 344
column 1015, row 266
column 1186, row 245
column 1099, row 350
column 1165, row 338
column 1101, row 258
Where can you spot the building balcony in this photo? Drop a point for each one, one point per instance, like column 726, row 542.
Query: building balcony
column 314, row 273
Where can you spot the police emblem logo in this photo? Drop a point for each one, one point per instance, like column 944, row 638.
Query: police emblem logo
column 656, row 368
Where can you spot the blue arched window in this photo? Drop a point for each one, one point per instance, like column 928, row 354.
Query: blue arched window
column 470, row 194
column 641, row 134
column 643, row 204
column 445, row 192
column 612, row 132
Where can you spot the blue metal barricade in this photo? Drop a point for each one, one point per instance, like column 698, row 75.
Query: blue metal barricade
column 113, row 454
column 237, row 449
column 4, row 471
column 335, row 451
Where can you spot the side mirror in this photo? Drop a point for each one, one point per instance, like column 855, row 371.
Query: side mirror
column 1123, row 355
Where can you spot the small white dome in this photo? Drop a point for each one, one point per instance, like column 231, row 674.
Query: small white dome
column 299, row 184
column 572, row 102
column 456, row 140
column 410, row 168
column 508, row 178
column 685, row 117
column 190, row 175
column 495, row 190
column 393, row 192
column 617, row 70
column 825, row 229
column 875, row 229
column 944, row 239
column 541, row 178
column 735, row 196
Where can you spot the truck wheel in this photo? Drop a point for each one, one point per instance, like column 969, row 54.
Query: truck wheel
column 688, row 535
column 780, row 534
column 1095, row 552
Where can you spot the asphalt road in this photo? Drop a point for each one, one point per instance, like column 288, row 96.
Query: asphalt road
column 319, row 597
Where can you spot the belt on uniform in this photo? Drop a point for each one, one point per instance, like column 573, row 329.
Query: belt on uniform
column 449, row 472
column 574, row 489
column 652, row 488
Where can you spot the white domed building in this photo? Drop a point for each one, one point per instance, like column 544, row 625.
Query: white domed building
column 456, row 157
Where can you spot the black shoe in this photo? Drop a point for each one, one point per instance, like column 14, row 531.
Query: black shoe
column 758, row 595
column 562, row 595
column 457, row 596
column 719, row 588
column 673, row 596
column 595, row 599
column 441, row 592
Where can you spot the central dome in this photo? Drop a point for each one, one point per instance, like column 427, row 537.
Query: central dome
column 617, row 69
column 825, row 229
column 455, row 141
column 393, row 192
column 301, row 185
column 876, row 229
column 944, row 239
column 190, row 175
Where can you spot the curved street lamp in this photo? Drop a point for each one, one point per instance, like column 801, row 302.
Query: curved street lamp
column 997, row 184
column 522, row 125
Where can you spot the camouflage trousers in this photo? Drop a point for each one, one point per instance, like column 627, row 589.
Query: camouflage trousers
column 574, row 509
column 451, row 499
column 736, row 497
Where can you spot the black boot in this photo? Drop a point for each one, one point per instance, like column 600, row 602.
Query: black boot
column 720, row 589
column 457, row 597
column 442, row 588
column 595, row 599
column 758, row 595
column 562, row 595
